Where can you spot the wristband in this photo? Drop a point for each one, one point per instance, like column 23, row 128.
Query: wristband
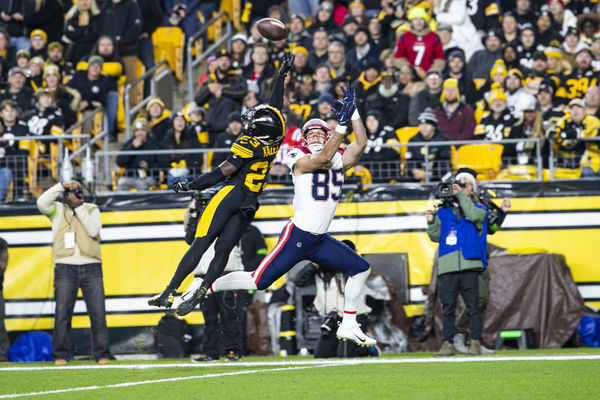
column 341, row 129
column 355, row 115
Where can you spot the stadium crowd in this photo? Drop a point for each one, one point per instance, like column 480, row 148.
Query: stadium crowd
column 452, row 70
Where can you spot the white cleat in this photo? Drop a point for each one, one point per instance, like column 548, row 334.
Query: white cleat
column 189, row 294
column 355, row 334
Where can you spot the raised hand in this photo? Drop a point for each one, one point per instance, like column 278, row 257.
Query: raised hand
column 348, row 106
column 181, row 186
column 287, row 63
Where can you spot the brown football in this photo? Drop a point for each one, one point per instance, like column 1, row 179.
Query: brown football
column 272, row 29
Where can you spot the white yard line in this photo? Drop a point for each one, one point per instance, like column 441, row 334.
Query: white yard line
column 311, row 362
column 136, row 383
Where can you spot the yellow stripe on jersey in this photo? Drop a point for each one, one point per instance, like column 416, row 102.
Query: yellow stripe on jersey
column 238, row 150
column 280, row 117
column 56, row 130
column 209, row 211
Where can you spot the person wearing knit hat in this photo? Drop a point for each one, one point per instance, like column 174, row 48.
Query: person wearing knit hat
column 51, row 69
column 45, row 119
column 482, row 61
column 238, row 46
column 438, row 155
column 38, row 39
column 159, row 118
column 419, row 46
column 298, row 34
column 496, row 123
column 226, row 138
column 139, row 169
column 514, row 80
column 363, row 50
column 455, row 119
column 498, row 72
column 95, row 60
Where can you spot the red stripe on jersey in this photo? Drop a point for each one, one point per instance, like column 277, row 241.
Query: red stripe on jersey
column 304, row 149
column 265, row 262
column 349, row 312
column 341, row 150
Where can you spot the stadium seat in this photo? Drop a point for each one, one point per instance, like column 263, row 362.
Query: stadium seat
column 234, row 9
column 483, row 158
column 562, row 173
column 169, row 42
column 518, row 172
column 404, row 135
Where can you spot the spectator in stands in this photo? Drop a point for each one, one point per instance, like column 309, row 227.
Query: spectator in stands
column 322, row 78
column 455, row 13
column 426, row 98
column 55, row 57
column 379, row 38
column 152, row 16
column 496, row 123
column 184, row 14
column 510, row 56
column 159, row 119
column 527, row 47
column 563, row 18
column 278, row 49
column 223, row 93
column 67, row 99
column 366, row 85
column 306, row 94
column 516, row 95
column 259, row 70
column 572, row 45
column 35, row 72
column 409, row 80
column 362, row 53
column 76, row 229
column 438, row 156
column 81, row 28
column 17, row 91
column 482, row 61
column 448, row 42
column 390, row 100
column 112, row 67
column 38, row 39
column 429, row 53
column 587, row 25
column 457, row 69
column 11, row 18
column 550, row 114
column 572, row 152
column 13, row 153
column 4, row 340
column 46, row 15
column 196, row 116
column 382, row 162
column 320, row 43
column 529, row 126
column 238, row 46
column 226, row 138
column 179, row 137
column 8, row 52
column 300, row 64
column 298, row 35
column 96, row 90
column 122, row 20
column 45, row 119
column 336, row 61
column 510, row 30
column 23, row 59
column 139, row 170
column 524, row 14
column 592, row 101
column 456, row 120
column 325, row 20
column 574, row 85
column 546, row 28
column 324, row 107
column 349, row 28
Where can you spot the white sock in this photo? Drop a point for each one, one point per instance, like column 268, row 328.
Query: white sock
column 352, row 292
column 237, row 280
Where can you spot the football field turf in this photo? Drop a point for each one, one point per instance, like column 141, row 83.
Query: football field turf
column 532, row 374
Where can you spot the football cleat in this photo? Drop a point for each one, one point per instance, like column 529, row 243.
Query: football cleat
column 165, row 299
column 192, row 297
column 204, row 358
column 355, row 334
column 232, row 356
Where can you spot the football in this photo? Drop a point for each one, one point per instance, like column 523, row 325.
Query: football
column 272, row 29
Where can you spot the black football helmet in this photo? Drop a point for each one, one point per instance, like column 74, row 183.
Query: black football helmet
column 264, row 122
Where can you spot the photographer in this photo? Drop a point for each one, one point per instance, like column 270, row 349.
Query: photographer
column 460, row 226
column 76, row 247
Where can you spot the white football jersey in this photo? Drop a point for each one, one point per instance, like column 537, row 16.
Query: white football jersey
column 316, row 194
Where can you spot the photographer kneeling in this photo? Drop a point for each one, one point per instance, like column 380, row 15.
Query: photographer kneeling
column 460, row 227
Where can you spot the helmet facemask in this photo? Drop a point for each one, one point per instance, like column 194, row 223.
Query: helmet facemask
column 315, row 134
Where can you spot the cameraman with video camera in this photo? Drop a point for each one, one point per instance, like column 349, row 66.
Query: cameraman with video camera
column 460, row 225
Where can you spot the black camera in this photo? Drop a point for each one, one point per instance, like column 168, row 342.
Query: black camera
column 76, row 193
column 444, row 189
column 485, row 197
column 330, row 324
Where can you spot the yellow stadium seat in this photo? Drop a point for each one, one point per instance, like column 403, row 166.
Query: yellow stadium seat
column 562, row 173
column 404, row 135
column 518, row 172
column 483, row 158
column 234, row 9
column 169, row 42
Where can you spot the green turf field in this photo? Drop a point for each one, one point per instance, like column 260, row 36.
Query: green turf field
column 533, row 374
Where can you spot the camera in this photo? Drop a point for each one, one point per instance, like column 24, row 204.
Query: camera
column 485, row 197
column 76, row 193
column 330, row 324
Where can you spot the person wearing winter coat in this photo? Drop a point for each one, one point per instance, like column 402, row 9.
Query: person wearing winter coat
column 454, row 13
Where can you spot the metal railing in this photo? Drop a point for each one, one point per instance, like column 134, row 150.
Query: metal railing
column 190, row 42
column 129, row 111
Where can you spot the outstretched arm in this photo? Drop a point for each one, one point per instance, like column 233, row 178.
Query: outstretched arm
column 208, row 179
column 276, row 99
column 355, row 150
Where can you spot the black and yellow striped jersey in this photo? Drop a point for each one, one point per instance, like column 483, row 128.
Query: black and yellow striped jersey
column 253, row 159
column 575, row 84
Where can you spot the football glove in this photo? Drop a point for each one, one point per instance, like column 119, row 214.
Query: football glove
column 287, row 63
column 344, row 116
column 181, row 186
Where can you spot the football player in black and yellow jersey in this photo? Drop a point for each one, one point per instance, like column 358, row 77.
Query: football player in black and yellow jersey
column 230, row 211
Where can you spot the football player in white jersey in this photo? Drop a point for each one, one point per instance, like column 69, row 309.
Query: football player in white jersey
column 318, row 174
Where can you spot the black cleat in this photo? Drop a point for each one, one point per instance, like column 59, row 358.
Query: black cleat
column 189, row 302
column 232, row 356
column 204, row 358
column 165, row 299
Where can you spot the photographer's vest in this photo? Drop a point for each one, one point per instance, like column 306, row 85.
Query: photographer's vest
column 463, row 235
column 88, row 246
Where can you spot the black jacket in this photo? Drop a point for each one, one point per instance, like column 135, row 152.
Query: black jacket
column 152, row 15
column 24, row 98
column 48, row 18
column 14, row 28
column 131, row 162
column 83, row 37
column 224, row 140
column 394, row 109
column 92, row 91
column 419, row 103
column 123, row 22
